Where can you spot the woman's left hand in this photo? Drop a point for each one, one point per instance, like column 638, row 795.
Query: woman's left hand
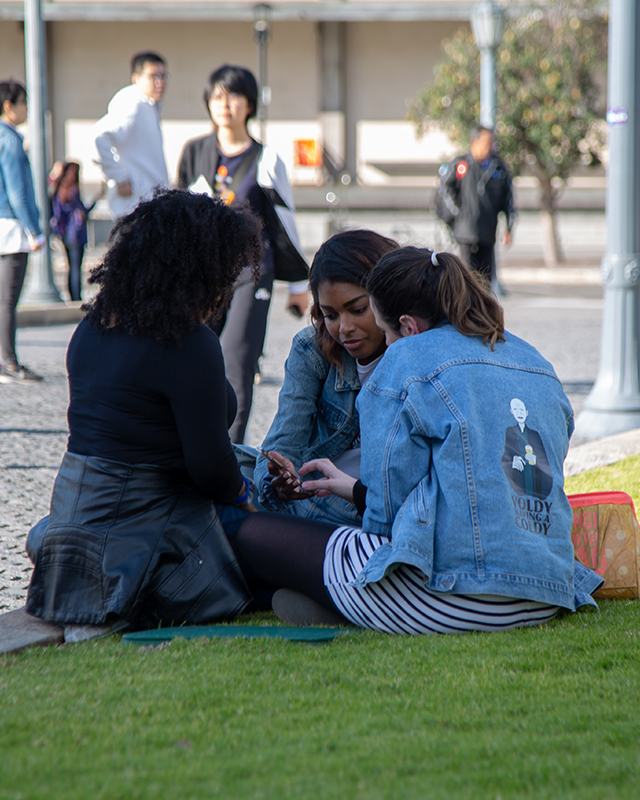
column 334, row 482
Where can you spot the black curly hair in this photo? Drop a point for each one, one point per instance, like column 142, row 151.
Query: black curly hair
column 172, row 264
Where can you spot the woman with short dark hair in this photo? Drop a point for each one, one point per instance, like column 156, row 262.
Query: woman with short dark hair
column 232, row 165
column 134, row 533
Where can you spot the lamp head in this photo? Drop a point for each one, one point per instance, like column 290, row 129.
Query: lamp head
column 487, row 24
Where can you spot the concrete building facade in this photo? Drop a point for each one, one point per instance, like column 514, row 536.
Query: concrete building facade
column 340, row 75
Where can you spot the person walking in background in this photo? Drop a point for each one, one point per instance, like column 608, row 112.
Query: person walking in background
column 474, row 189
column 20, row 231
column 229, row 163
column 69, row 222
column 129, row 139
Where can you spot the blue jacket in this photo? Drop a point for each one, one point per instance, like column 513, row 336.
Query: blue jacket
column 17, row 199
column 316, row 418
column 476, row 506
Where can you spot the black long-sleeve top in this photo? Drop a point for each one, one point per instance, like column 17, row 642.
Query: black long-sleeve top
column 137, row 401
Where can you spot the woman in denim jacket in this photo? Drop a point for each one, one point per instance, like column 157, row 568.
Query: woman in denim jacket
column 327, row 365
column 20, row 231
column 465, row 429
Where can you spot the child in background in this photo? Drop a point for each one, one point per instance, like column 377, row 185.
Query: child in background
column 69, row 222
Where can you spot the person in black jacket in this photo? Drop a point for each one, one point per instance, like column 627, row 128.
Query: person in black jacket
column 474, row 189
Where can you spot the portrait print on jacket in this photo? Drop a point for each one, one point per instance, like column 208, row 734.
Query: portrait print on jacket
column 526, row 466
column 525, row 460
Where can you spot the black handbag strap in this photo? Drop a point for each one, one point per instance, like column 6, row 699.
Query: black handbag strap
column 251, row 156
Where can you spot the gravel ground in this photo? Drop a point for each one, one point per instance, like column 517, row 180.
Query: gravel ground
column 564, row 324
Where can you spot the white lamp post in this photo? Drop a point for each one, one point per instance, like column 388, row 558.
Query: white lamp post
column 487, row 24
column 40, row 287
column 613, row 404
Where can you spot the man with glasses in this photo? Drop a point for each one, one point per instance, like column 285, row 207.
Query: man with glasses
column 129, row 139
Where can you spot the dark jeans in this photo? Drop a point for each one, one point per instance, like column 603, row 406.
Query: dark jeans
column 75, row 254
column 242, row 330
column 13, row 268
column 478, row 257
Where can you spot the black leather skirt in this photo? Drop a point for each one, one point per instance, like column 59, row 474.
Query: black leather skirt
column 134, row 542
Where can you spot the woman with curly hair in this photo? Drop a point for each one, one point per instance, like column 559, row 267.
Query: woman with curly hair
column 134, row 535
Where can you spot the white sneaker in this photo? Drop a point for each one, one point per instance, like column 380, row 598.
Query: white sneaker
column 84, row 633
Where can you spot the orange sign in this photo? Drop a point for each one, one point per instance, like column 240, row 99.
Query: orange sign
column 307, row 153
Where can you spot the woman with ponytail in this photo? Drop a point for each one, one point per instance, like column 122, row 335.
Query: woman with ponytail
column 464, row 428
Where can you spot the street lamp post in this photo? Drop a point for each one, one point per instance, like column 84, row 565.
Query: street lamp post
column 613, row 404
column 40, row 287
column 261, row 35
column 487, row 24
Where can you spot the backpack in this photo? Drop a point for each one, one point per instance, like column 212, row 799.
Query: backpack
column 442, row 209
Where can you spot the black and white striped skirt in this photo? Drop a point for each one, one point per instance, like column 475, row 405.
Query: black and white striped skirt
column 399, row 603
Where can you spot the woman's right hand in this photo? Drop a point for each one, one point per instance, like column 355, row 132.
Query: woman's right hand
column 334, row 482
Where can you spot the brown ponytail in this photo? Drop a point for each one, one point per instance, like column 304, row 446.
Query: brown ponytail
column 437, row 288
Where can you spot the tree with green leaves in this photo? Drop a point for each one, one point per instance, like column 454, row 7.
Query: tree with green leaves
column 550, row 105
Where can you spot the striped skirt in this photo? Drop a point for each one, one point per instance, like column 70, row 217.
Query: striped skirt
column 399, row 603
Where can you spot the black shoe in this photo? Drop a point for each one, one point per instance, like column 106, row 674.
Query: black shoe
column 298, row 609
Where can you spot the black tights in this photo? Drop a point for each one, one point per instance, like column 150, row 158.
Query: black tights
column 286, row 552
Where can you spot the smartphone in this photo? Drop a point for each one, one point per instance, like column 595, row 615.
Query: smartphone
column 277, row 463
column 282, row 468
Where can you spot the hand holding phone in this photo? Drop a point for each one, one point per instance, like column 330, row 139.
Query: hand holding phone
column 286, row 481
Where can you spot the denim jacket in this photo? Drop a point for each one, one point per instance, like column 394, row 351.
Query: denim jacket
column 463, row 489
column 17, row 199
column 316, row 418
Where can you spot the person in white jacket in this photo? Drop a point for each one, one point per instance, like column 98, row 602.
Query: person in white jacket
column 129, row 139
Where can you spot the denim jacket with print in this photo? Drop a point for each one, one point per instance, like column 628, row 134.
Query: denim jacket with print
column 17, row 199
column 462, row 454
column 316, row 418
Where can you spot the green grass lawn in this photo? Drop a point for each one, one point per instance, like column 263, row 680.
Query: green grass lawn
column 550, row 712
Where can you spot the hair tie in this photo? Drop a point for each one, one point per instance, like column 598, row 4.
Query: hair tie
column 434, row 259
